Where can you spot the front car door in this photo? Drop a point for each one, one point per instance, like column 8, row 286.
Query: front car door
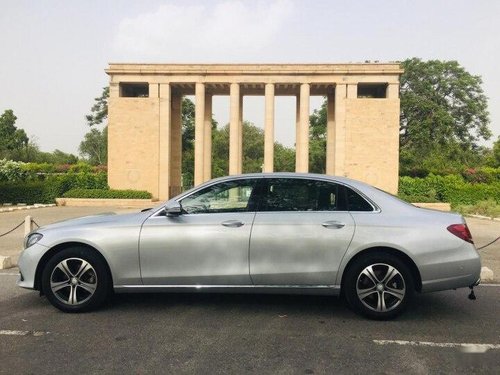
column 207, row 244
column 300, row 233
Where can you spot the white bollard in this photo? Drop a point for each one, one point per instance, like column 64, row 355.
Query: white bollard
column 28, row 224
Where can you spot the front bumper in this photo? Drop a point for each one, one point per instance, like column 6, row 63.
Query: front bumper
column 28, row 263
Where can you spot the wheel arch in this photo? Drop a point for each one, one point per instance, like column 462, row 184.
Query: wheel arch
column 54, row 250
column 386, row 250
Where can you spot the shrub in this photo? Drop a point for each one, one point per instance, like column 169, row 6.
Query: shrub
column 39, row 167
column 107, row 194
column 452, row 188
column 481, row 175
column 486, row 208
column 52, row 187
column 81, row 167
column 12, row 171
column 28, row 192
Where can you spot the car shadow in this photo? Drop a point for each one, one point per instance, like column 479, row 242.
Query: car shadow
column 441, row 305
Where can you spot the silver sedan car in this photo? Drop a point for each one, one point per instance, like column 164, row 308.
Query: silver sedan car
column 278, row 233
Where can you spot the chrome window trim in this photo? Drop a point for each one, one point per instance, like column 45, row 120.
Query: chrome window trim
column 376, row 208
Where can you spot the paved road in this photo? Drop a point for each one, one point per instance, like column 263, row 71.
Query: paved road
column 233, row 334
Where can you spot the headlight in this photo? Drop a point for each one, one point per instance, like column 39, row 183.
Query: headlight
column 32, row 239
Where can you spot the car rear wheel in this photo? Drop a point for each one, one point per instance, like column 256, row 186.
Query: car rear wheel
column 379, row 286
column 76, row 280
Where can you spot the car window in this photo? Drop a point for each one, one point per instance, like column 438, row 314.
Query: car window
column 229, row 196
column 356, row 202
column 288, row 194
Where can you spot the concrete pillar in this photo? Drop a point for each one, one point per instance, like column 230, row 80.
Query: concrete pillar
column 340, row 130
column 234, row 127
column 392, row 91
column 114, row 90
column 302, row 159
column 240, row 135
column 269, row 129
column 297, row 130
column 207, row 145
column 165, row 101
column 330, row 133
column 176, row 146
column 199, row 122
column 28, row 225
column 154, row 90
column 352, row 90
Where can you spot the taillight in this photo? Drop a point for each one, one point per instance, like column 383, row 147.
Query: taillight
column 461, row 231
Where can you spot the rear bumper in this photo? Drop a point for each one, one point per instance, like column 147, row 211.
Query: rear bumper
column 461, row 270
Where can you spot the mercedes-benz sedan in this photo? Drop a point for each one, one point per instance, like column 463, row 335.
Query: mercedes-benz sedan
column 280, row 233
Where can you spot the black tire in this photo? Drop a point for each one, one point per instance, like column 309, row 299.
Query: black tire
column 370, row 295
column 70, row 290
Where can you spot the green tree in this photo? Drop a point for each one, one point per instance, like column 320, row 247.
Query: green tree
column 94, row 146
column 99, row 111
column 253, row 148
column 220, row 151
column 317, row 139
column 12, row 139
column 443, row 112
column 284, row 158
column 492, row 155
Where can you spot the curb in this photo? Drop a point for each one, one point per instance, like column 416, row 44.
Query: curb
column 25, row 207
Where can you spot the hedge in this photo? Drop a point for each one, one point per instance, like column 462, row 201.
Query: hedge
column 453, row 189
column 107, row 194
column 30, row 192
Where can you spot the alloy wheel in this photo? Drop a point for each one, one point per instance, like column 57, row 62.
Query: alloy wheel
column 380, row 287
column 73, row 281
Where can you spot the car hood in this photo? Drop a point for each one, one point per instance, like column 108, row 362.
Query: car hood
column 109, row 217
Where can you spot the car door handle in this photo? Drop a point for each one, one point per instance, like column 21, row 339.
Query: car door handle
column 232, row 223
column 333, row 224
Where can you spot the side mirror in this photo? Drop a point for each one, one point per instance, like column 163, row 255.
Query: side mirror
column 173, row 210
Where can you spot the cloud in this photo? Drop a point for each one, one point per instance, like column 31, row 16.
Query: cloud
column 228, row 31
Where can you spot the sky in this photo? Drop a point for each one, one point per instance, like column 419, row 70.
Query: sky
column 53, row 53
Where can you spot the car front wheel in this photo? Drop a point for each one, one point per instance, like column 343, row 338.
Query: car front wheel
column 379, row 286
column 75, row 280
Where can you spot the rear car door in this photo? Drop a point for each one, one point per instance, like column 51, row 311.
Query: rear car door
column 300, row 232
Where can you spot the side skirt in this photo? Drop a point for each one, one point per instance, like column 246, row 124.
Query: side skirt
column 257, row 289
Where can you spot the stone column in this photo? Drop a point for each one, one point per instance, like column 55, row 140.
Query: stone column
column 114, row 90
column 392, row 91
column 234, row 129
column 340, row 130
column 302, row 159
column 269, row 129
column 199, row 122
column 330, row 133
column 207, row 145
column 164, row 141
column 154, row 90
column 176, row 146
column 240, row 135
column 352, row 90
column 297, row 131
